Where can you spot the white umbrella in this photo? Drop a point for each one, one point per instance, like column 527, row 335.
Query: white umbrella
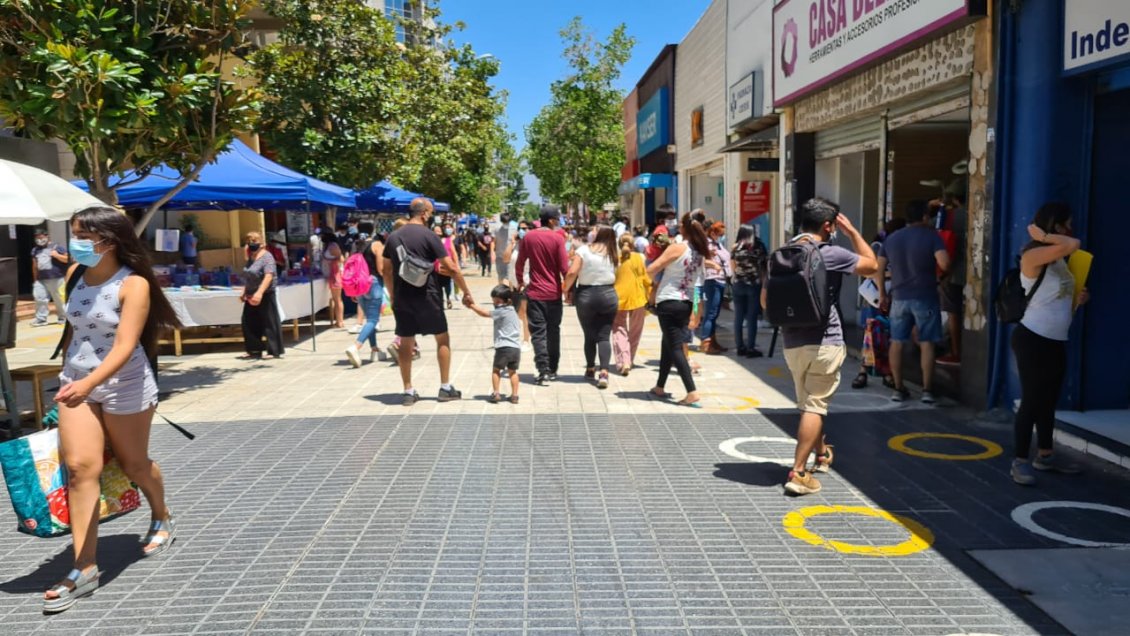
column 30, row 196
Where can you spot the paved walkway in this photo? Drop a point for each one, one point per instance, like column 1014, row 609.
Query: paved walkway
column 313, row 502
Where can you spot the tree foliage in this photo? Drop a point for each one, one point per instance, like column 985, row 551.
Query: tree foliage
column 126, row 85
column 346, row 102
column 575, row 145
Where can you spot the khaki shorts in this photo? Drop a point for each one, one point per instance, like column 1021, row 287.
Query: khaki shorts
column 816, row 374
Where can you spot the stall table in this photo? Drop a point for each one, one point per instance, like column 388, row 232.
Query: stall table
column 220, row 306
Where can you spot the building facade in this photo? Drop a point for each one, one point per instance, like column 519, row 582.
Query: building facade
column 654, row 184
column 700, row 114
column 883, row 104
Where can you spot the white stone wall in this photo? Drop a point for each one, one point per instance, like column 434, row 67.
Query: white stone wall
column 700, row 80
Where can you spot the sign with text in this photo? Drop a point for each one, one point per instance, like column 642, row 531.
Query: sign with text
column 746, row 100
column 757, row 197
column 1096, row 33
column 819, row 41
column 652, row 129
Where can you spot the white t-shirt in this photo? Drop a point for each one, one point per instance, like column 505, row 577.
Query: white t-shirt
column 596, row 267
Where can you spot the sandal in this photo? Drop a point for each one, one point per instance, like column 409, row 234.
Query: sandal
column 155, row 538
column 889, row 381
column 860, row 381
column 513, row 399
column 77, row 585
column 494, row 398
column 694, row 405
column 590, row 373
column 661, row 394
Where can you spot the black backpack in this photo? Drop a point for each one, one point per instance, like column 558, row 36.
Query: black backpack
column 1012, row 301
column 799, row 293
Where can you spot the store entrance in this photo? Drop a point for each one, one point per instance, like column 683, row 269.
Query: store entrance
column 1106, row 368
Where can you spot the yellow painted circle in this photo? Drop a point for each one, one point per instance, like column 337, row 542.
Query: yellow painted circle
column 898, row 443
column 744, row 403
column 920, row 537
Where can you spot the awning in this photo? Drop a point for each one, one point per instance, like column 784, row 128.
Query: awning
column 385, row 197
column 761, row 140
column 648, row 181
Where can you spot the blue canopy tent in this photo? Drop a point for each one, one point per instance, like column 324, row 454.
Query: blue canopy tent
column 385, row 197
column 238, row 178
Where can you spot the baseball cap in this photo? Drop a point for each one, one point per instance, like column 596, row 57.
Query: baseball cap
column 550, row 212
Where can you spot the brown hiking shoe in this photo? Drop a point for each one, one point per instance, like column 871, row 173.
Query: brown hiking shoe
column 823, row 462
column 801, row 484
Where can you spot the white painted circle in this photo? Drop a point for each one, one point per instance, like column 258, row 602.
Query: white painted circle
column 730, row 447
column 1022, row 515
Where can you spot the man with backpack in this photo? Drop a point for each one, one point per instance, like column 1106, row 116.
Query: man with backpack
column 915, row 254
column 801, row 298
column 417, row 299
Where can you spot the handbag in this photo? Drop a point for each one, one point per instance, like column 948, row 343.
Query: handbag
column 37, row 485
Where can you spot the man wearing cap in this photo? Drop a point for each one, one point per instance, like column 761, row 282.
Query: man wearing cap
column 544, row 250
column 48, row 263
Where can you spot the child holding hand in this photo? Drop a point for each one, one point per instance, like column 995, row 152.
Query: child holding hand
column 507, row 339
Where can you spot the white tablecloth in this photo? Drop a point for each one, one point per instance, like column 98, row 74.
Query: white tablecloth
column 214, row 307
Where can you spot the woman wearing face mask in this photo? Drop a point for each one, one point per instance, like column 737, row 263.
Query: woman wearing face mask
column 1039, row 342
column 593, row 268
column 260, row 311
column 109, row 390
column 445, row 236
column 713, row 288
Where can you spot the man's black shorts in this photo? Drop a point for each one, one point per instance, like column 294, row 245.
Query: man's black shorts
column 507, row 358
column 421, row 316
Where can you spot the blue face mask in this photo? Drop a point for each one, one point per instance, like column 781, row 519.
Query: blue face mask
column 522, row 234
column 82, row 250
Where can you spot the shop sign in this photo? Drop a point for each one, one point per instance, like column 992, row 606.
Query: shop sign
column 745, row 100
column 819, row 41
column 652, row 131
column 1096, row 33
column 297, row 228
column 756, row 199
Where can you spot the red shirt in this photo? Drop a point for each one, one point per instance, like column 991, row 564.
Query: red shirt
column 545, row 252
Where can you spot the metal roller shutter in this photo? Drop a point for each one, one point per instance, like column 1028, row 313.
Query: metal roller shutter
column 853, row 136
column 937, row 102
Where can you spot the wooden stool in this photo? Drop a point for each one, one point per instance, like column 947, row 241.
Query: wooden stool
column 36, row 374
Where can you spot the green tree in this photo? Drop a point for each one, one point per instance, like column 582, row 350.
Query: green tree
column 126, row 85
column 575, row 145
column 452, row 138
column 333, row 89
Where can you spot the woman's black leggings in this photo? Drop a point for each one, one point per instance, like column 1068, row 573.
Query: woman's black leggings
column 674, row 316
column 596, row 309
column 1042, row 363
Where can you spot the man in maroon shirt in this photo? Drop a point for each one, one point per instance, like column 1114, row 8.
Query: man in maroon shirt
column 544, row 250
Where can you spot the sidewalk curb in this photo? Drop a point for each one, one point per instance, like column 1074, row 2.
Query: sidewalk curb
column 1092, row 444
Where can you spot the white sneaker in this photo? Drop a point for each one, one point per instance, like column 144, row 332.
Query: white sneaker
column 354, row 357
column 355, row 329
column 374, row 355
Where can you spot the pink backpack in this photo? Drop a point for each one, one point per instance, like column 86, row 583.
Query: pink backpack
column 356, row 280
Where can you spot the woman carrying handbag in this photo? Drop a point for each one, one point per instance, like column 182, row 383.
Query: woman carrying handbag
column 108, row 386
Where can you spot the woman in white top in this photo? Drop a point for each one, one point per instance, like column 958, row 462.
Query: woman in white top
column 593, row 268
column 1039, row 342
column 680, row 265
column 108, row 393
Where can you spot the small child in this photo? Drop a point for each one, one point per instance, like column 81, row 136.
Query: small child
column 507, row 340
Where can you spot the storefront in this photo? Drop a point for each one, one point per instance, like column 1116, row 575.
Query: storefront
column 1064, row 127
column 653, row 183
column 885, row 103
column 700, row 114
column 752, row 162
column 631, row 201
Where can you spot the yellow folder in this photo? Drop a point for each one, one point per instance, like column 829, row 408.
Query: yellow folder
column 1079, row 264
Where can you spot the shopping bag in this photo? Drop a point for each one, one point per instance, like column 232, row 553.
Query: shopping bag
column 37, row 485
column 877, row 338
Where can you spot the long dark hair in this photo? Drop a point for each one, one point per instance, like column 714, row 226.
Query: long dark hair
column 695, row 236
column 746, row 236
column 116, row 229
column 606, row 239
column 1052, row 214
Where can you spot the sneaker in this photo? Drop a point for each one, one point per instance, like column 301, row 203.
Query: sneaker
column 949, row 359
column 542, row 379
column 755, row 353
column 411, row 398
column 901, row 394
column 552, row 376
column 355, row 329
column 802, row 484
column 602, row 380
column 354, row 357
column 928, row 397
column 590, row 373
column 374, row 355
column 39, row 323
column 1022, row 473
column 1054, row 463
column 393, row 351
column 823, row 463
column 446, row 395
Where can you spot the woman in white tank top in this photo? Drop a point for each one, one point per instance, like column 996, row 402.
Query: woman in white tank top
column 1039, row 342
column 593, row 268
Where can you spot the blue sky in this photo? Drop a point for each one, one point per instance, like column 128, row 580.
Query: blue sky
column 523, row 35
